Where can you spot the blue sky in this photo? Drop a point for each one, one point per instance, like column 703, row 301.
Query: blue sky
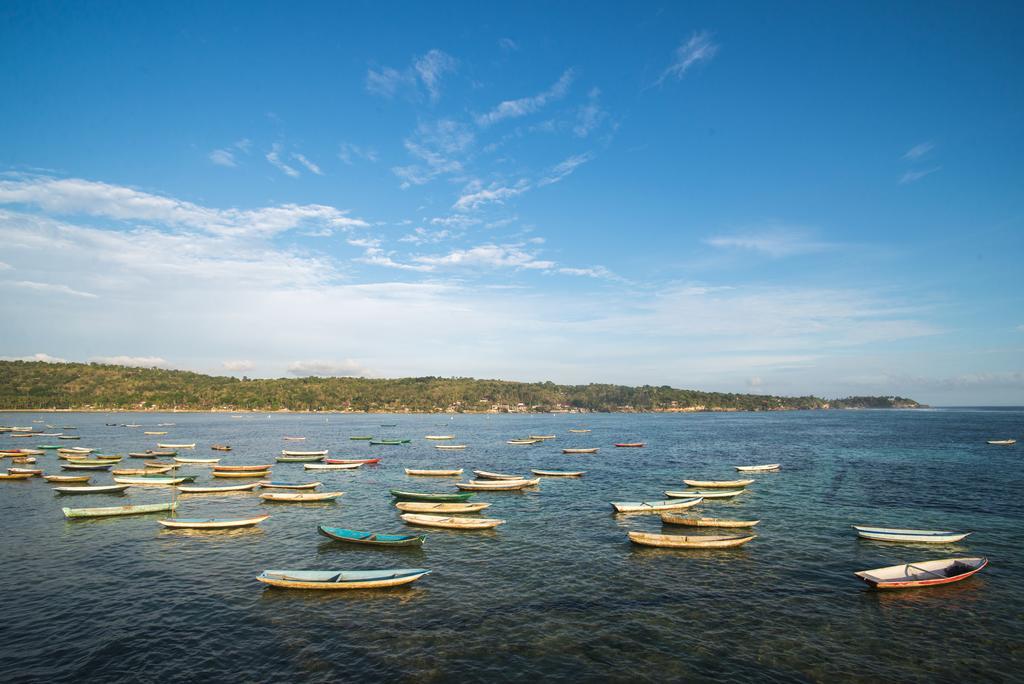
column 789, row 198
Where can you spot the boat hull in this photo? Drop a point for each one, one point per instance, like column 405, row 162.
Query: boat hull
column 337, row 580
column 675, row 541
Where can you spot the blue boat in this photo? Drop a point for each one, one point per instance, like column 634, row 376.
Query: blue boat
column 357, row 537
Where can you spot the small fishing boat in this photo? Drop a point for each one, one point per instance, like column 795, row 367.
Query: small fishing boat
column 899, row 535
column 452, row 522
column 47, row 446
column 211, row 523
column 332, row 466
column 439, row 437
column 923, row 574
column 766, row 468
column 27, row 452
column 373, row 538
column 424, row 496
column 66, row 479
column 197, row 461
column 433, row 473
column 360, row 461
column 523, row 442
column 580, row 451
column 100, row 466
column 630, row 445
column 653, row 506
column 23, row 459
column 289, row 485
column 300, row 497
column 301, row 456
column 95, row 489
column 450, row 447
column 705, row 493
column 155, row 432
column 542, row 437
column 496, row 485
column 155, row 481
column 14, row 476
column 75, row 450
column 340, row 579
column 486, row 475
column 1001, row 442
column 239, row 468
column 119, row 510
column 240, row 473
column 141, row 471
column 670, row 519
column 679, row 541
column 170, row 465
column 221, row 447
column 559, row 473
column 427, row 507
column 192, row 489
column 717, row 484
column 294, row 439
column 579, row 432
column 388, row 442
column 361, row 438
column 389, row 424
column 177, row 446
column 25, row 471
column 132, row 425
column 68, row 437
column 93, row 461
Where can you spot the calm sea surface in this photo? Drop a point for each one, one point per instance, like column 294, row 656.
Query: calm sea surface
column 558, row 591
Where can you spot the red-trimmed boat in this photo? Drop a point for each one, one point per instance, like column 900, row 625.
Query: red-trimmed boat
column 924, row 574
column 341, row 461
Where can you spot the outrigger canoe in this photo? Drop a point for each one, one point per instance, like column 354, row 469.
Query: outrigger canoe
column 653, row 506
column 451, row 522
column 434, row 473
column 427, row 507
column 923, row 574
column 679, row 541
column 340, row 579
column 424, row 496
column 559, row 473
column 211, row 523
column 899, row 535
column 717, row 484
column 119, row 510
column 372, row 538
column 670, row 519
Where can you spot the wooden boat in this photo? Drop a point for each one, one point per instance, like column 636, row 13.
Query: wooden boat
column 579, row 432
column 1001, row 442
column 425, row 496
column 101, row 466
column 149, row 453
column 496, row 485
column 361, row 438
column 332, row 466
column 373, row 538
column 300, row 496
column 632, row 445
column 679, row 541
column 433, row 473
column 360, row 461
column 450, row 447
column 155, row 481
column 299, row 459
column 240, row 473
column 221, row 447
column 23, row 459
column 486, row 475
column 14, row 476
column 289, row 485
column 239, row 468
column 25, row 471
column 653, row 506
column 559, row 473
column 211, row 523
column 140, row 471
column 670, row 519
column 580, row 451
column 439, row 438
column 388, row 442
column 68, row 437
column 192, row 489
column 717, row 484
column 75, row 450
column 523, row 442
column 23, row 452
column 155, row 432
column 47, row 446
column 177, row 446
column 294, row 439
column 119, row 510
column 453, row 522
column 923, row 574
column 899, row 535
column 427, row 507
column 170, row 465
column 705, row 493
column 340, row 579
column 321, row 452
column 95, row 489
column 766, row 468
column 197, row 461
column 542, row 437
column 66, row 478
column 93, row 461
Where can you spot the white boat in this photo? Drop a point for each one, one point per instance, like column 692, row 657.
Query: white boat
column 454, row 522
column 1002, row 442
column 331, row 466
column 191, row 489
column 653, row 506
column 433, row 473
column 95, row 489
column 559, row 473
column 151, row 481
column 717, row 484
column 496, row 485
column 294, row 439
column 766, row 468
column 486, row 475
column 900, row 535
column 705, row 493
column 591, row 450
column 197, row 461
column 450, row 447
column 923, row 574
column 304, row 453
column 296, row 497
column 211, row 523
column 176, row 446
column 439, row 437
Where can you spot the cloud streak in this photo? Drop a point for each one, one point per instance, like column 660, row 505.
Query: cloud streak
column 698, row 49
column 512, row 109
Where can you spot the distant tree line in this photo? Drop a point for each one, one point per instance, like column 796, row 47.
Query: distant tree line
column 40, row 385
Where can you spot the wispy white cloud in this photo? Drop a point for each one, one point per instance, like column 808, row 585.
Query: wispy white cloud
column 223, row 158
column 238, row 366
column 133, row 361
column 386, row 82
column 914, row 176
column 427, row 70
column 421, row 236
column 492, row 256
column 431, row 67
column 45, row 358
column 510, row 109
column 274, row 157
column 438, row 146
column 364, row 242
column 590, row 272
column 918, row 151
column 699, row 48
column 773, row 242
column 5, row 266
column 508, row 45
column 52, row 287
column 376, row 256
column 590, row 115
column 245, row 145
column 330, row 369
column 302, row 159
column 564, row 168
column 348, row 153
column 475, row 196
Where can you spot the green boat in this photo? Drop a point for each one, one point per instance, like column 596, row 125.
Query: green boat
column 373, row 538
column 362, row 437
column 388, row 442
column 118, row 510
column 299, row 459
column 48, row 446
column 421, row 496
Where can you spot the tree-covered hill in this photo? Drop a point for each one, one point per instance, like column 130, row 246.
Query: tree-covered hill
column 40, row 385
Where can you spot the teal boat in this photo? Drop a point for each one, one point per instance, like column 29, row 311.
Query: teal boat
column 422, row 496
column 362, row 438
column 356, row 537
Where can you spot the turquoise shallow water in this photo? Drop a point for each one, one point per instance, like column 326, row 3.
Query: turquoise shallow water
column 558, row 591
